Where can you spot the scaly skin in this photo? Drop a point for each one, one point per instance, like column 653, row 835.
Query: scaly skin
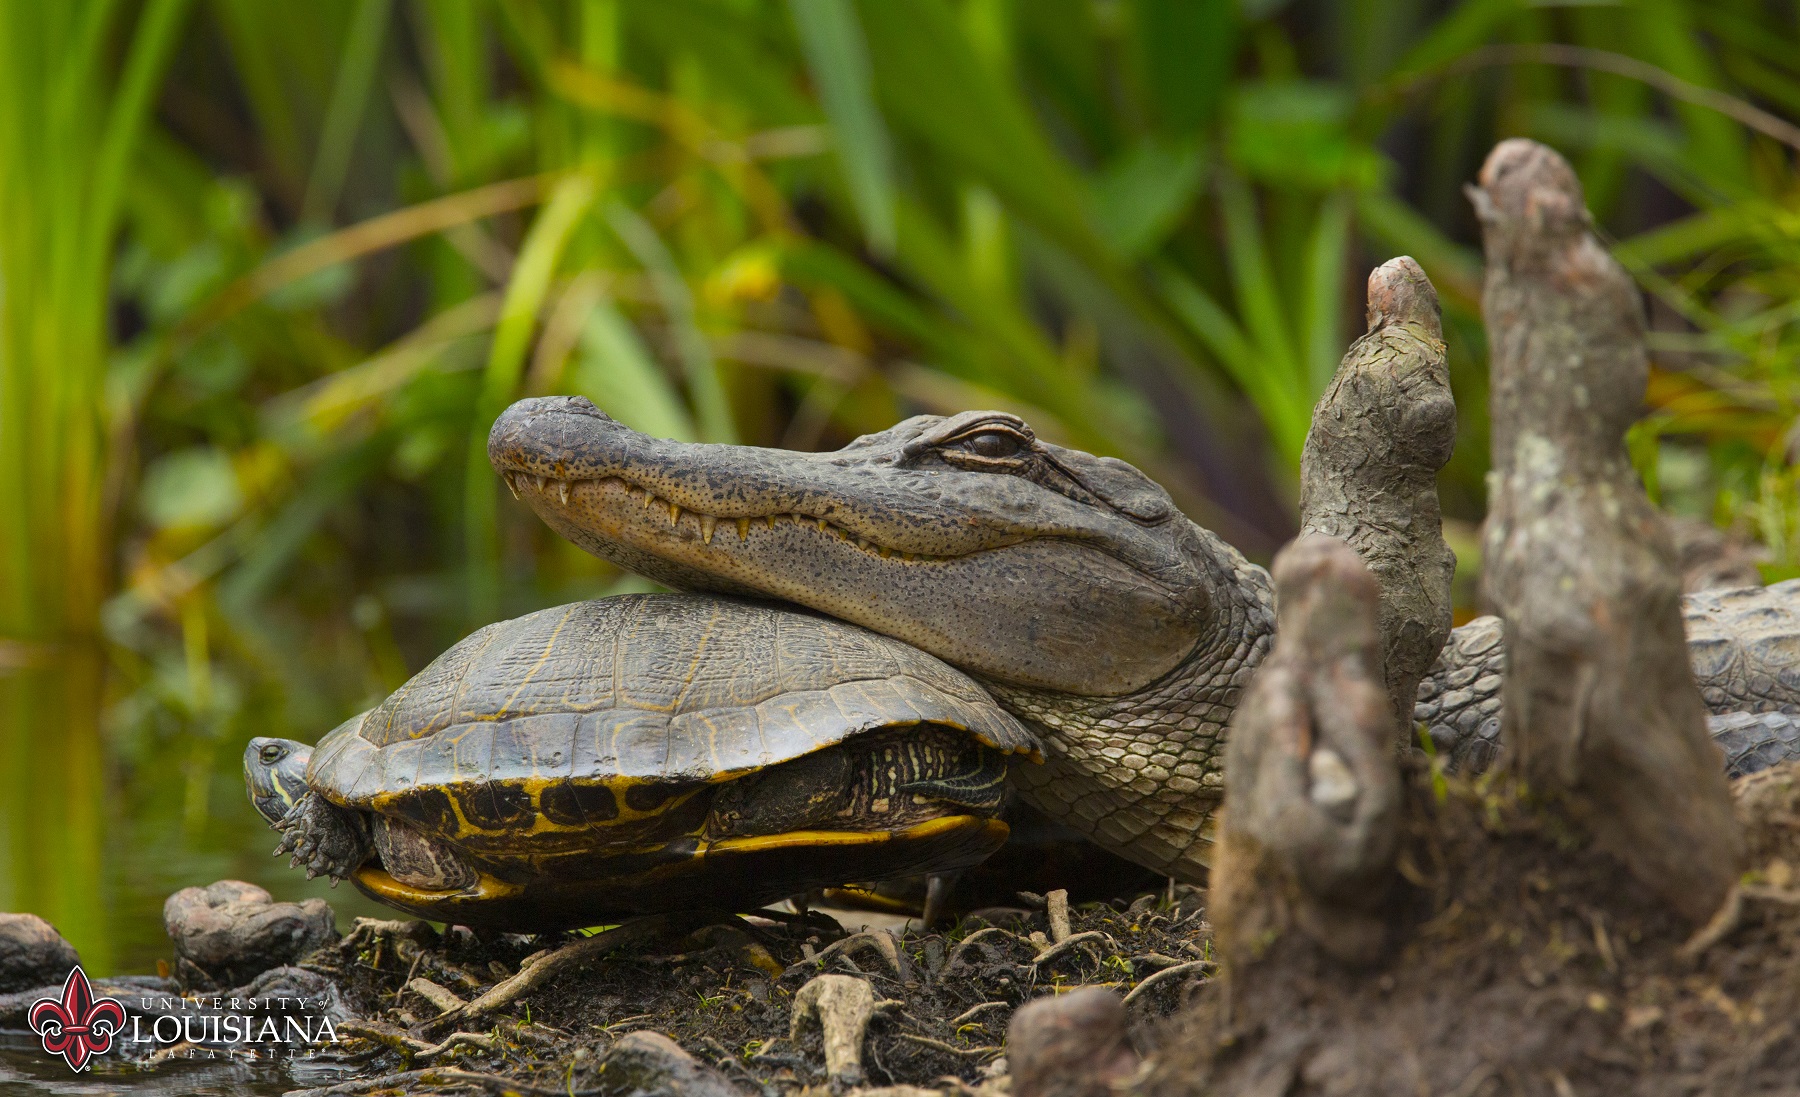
column 1068, row 584
column 1744, row 644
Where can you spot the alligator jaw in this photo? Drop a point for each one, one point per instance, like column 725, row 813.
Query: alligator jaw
column 991, row 572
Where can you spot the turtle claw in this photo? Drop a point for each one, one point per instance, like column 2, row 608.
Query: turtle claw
column 322, row 838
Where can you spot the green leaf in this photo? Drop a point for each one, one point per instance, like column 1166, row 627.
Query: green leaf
column 525, row 293
column 838, row 58
column 935, row 88
column 190, row 488
column 716, row 424
column 349, row 97
column 1327, row 255
column 1187, row 47
column 1297, row 132
column 1142, row 194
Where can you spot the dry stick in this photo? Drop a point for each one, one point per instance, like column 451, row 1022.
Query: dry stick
column 991, row 931
column 568, row 958
column 927, row 1041
column 972, row 1011
column 1069, row 944
column 881, row 942
column 437, row 995
column 1057, row 905
column 1167, row 973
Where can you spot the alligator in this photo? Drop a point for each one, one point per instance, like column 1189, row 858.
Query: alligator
column 1067, row 584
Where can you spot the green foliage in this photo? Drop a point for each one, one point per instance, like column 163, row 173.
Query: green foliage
column 271, row 270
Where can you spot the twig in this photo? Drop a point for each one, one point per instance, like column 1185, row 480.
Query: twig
column 1717, row 928
column 1166, row 973
column 882, row 942
column 1069, row 944
column 460, row 1039
column 567, row 958
column 1790, row 896
column 927, row 1041
column 956, row 953
column 973, row 1010
column 439, row 996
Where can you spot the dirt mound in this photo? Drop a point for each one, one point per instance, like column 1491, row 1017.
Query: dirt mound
column 725, row 993
column 1524, row 963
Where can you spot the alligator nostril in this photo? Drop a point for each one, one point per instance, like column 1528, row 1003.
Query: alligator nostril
column 581, row 405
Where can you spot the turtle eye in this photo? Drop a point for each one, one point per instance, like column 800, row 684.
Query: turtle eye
column 271, row 754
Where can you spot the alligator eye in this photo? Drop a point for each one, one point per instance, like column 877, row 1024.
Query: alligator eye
column 993, row 443
column 272, row 754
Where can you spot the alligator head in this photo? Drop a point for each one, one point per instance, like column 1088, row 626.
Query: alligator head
column 1069, row 583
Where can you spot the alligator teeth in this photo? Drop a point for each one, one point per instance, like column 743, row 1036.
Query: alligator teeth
column 743, row 526
column 510, row 486
column 649, row 498
column 562, row 489
column 885, row 552
column 823, row 524
column 707, row 524
column 674, row 512
column 543, row 482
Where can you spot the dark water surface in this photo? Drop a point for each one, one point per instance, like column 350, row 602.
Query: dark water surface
column 102, row 818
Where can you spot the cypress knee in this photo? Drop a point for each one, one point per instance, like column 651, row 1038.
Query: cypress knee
column 1600, row 709
column 1312, row 788
column 1368, row 475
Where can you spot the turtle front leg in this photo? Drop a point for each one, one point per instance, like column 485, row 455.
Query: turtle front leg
column 323, row 837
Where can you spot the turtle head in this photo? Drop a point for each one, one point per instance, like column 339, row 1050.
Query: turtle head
column 275, row 773
column 966, row 536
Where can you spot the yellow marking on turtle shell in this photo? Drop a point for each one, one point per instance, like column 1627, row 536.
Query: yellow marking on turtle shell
column 485, row 888
column 814, row 839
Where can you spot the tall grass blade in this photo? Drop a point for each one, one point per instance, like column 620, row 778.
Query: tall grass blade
column 525, row 295
column 838, row 58
column 343, row 117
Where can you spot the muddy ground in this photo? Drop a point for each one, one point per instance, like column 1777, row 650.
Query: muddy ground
column 1524, row 963
column 725, row 993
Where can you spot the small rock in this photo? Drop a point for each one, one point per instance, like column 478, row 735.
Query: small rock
column 1072, row 1045
column 229, row 932
column 649, row 1064
column 32, row 953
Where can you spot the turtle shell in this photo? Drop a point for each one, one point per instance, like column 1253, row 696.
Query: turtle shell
column 533, row 736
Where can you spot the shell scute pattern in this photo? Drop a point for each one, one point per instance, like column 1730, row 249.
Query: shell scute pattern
column 604, row 713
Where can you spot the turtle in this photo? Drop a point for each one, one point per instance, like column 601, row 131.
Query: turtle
column 647, row 753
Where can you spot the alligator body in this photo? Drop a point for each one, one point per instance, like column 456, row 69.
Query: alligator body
column 1068, row 584
column 1745, row 646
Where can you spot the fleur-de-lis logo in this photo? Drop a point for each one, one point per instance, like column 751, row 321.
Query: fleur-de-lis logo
column 79, row 1026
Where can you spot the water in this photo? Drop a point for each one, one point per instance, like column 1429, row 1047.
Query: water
column 98, row 829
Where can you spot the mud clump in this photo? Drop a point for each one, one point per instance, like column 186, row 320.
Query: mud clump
column 1522, row 963
column 727, row 991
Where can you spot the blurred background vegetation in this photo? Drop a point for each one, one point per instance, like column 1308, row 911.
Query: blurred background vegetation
column 268, row 271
